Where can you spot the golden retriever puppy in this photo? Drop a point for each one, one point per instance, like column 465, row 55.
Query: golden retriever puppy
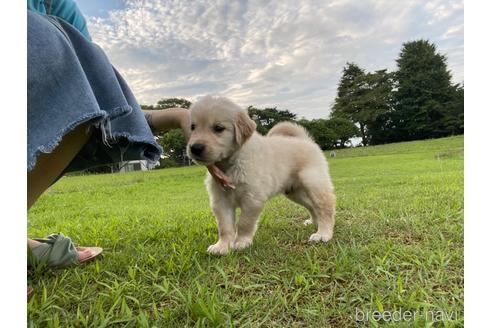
column 286, row 161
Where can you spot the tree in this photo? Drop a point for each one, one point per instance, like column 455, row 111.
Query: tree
column 173, row 102
column 344, row 130
column 457, row 110
column 266, row 118
column 173, row 142
column 426, row 104
column 325, row 137
column 348, row 92
column 332, row 133
column 363, row 98
column 376, row 102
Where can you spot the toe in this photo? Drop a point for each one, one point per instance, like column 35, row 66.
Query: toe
column 242, row 244
column 316, row 237
column 218, row 249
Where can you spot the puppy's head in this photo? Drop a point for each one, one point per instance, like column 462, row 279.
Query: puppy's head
column 218, row 129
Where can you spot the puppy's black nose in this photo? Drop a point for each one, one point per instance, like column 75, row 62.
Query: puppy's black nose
column 197, row 149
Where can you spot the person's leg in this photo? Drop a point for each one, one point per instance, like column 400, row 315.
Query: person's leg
column 50, row 166
column 82, row 252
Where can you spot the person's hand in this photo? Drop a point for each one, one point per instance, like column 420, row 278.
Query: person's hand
column 220, row 177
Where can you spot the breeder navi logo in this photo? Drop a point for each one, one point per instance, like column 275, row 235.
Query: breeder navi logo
column 404, row 315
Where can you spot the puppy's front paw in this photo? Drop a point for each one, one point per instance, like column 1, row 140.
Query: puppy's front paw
column 316, row 237
column 220, row 248
column 242, row 243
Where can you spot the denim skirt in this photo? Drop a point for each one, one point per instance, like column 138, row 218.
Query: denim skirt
column 71, row 82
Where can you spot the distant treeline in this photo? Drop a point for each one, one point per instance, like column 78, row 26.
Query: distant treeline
column 417, row 101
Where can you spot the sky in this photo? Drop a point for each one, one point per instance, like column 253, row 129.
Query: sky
column 284, row 54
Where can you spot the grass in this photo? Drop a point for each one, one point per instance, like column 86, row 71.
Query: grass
column 398, row 244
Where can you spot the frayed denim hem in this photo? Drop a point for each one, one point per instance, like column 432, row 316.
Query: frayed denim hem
column 101, row 121
column 96, row 119
column 151, row 157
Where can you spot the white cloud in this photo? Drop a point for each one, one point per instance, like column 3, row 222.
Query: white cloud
column 267, row 53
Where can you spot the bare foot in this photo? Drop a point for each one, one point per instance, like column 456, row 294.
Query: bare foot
column 85, row 253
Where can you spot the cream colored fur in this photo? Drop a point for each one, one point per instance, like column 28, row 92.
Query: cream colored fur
column 287, row 161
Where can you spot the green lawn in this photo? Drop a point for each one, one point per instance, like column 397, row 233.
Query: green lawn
column 398, row 244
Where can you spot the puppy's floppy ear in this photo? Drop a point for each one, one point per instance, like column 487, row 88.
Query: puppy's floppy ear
column 245, row 127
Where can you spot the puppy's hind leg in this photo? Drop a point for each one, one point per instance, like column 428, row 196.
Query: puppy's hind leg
column 301, row 197
column 322, row 204
column 324, row 215
column 246, row 227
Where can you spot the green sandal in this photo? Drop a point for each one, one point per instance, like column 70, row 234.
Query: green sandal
column 56, row 250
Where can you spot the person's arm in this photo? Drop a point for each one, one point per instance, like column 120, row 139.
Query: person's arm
column 163, row 120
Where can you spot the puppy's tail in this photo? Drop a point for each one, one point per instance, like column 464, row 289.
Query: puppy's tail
column 289, row 129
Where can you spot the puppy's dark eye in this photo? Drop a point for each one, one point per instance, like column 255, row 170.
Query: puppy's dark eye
column 192, row 127
column 218, row 128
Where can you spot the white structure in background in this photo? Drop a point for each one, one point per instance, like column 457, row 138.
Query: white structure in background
column 140, row 165
column 354, row 142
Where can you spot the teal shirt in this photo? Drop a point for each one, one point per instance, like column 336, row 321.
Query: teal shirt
column 64, row 9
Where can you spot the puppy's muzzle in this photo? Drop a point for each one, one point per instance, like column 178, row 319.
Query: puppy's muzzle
column 197, row 149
